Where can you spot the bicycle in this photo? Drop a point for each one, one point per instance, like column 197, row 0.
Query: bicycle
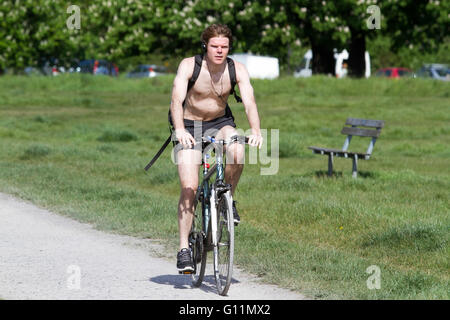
column 213, row 226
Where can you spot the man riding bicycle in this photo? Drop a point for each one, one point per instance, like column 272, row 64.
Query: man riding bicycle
column 204, row 108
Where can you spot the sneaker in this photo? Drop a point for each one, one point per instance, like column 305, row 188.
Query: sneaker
column 184, row 261
column 236, row 217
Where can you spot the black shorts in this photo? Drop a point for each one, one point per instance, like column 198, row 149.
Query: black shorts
column 210, row 128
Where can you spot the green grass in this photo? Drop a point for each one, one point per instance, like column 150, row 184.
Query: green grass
column 78, row 145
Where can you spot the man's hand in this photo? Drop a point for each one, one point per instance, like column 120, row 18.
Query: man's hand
column 185, row 138
column 255, row 139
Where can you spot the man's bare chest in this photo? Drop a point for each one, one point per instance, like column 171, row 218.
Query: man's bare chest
column 208, row 85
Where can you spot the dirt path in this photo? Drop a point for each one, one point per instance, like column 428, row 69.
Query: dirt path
column 46, row 256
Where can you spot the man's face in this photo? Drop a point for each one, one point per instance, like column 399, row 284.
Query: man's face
column 217, row 49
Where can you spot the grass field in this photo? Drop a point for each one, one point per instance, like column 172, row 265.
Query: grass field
column 77, row 145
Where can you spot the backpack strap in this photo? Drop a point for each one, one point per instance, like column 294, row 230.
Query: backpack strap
column 164, row 146
column 232, row 72
column 195, row 74
column 197, row 69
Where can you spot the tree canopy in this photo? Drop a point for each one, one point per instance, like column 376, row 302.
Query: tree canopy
column 32, row 31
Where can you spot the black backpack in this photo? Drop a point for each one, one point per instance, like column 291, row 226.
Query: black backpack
column 192, row 80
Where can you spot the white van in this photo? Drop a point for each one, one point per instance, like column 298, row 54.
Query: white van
column 259, row 67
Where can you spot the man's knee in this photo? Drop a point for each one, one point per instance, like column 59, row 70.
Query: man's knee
column 187, row 198
column 235, row 153
column 187, row 194
column 188, row 191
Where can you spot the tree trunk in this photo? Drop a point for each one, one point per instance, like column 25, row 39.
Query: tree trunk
column 323, row 59
column 356, row 60
column 289, row 53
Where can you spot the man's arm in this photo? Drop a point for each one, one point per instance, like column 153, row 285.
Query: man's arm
column 180, row 84
column 248, row 99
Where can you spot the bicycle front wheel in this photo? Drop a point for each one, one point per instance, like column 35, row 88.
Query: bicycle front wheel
column 197, row 238
column 224, row 250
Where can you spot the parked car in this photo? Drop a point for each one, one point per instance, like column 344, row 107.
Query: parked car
column 434, row 71
column 394, row 73
column 98, row 67
column 147, row 71
column 52, row 67
column 33, row 71
column 47, row 67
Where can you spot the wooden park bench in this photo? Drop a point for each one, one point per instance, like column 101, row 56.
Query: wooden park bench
column 374, row 132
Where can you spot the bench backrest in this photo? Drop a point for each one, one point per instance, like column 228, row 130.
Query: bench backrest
column 374, row 131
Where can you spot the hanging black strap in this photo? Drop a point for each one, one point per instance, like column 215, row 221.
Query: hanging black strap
column 164, row 146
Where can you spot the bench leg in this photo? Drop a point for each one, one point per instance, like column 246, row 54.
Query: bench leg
column 330, row 164
column 355, row 167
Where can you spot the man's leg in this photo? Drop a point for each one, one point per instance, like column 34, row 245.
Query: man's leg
column 188, row 167
column 235, row 157
column 235, row 164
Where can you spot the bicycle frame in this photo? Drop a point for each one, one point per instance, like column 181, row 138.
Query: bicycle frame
column 212, row 194
column 208, row 211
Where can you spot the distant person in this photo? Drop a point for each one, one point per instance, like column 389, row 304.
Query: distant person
column 344, row 70
column 206, row 104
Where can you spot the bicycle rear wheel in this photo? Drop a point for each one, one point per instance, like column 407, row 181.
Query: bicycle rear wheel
column 196, row 242
column 224, row 250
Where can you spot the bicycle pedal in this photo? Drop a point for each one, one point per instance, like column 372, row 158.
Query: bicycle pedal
column 186, row 272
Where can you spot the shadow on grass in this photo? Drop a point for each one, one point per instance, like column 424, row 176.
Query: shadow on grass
column 35, row 151
column 366, row 174
column 117, row 136
column 324, row 174
column 340, row 174
column 409, row 238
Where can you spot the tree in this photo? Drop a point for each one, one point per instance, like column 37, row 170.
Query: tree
column 422, row 23
column 31, row 32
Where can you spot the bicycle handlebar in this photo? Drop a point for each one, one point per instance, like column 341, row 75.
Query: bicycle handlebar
column 240, row 139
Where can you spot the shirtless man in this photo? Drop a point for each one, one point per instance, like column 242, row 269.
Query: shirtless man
column 206, row 103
